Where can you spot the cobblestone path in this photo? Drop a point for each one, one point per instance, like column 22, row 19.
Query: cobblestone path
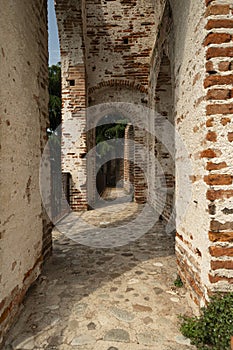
column 120, row 298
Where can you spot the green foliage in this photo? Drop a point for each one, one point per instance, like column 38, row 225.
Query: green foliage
column 109, row 131
column 214, row 328
column 55, row 96
column 55, row 80
column 178, row 282
column 115, row 131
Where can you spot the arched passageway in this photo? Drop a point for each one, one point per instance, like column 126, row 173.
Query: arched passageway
column 146, row 54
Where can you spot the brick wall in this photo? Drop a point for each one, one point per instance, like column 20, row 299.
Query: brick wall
column 25, row 239
column 129, row 156
column 192, row 219
column 118, row 37
column 74, row 142
column 219, row 112
column 119, row 42
column 203, row 119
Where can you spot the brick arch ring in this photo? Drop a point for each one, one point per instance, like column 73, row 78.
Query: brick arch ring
column 119, row 82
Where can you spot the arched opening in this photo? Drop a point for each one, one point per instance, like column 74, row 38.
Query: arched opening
column 110, row 153
column 128, row 161
column 110, row 117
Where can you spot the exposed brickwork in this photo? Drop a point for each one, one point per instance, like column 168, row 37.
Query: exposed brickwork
column 219, row 194
column 73, row 157
column 211, row 136
column 216, row 278
column 217, row 38
column 129, row 154
column 116, row 82
column 230, row 136
column 140, row 182
column 225, row 121
column 219, row 264
column 216, row 166
column 220, row 109
column 208, row 153
column 218, row 10
column 219, row 94
column 219, row 54
column 113, row 36
column 190, row 271
column 218, row 179
column 221, row 236
column 224, row 66
column 218, row 80
column 118, row 28
column 219, row 23
column 73, row 99
column 221, row 251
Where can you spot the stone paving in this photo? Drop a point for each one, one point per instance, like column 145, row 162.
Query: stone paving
column 116, row 298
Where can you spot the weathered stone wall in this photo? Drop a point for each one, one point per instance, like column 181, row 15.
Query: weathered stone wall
column 200, row 111
column 24, row 113
column 201, row 107
column 189, row 107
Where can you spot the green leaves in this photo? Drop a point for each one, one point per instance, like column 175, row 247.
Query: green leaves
column 178, row 282
column 214, row 328
column 106, row 132
column 55, row 80
column 55, row 96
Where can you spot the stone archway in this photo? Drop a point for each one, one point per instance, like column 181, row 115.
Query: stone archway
column 115, row 110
